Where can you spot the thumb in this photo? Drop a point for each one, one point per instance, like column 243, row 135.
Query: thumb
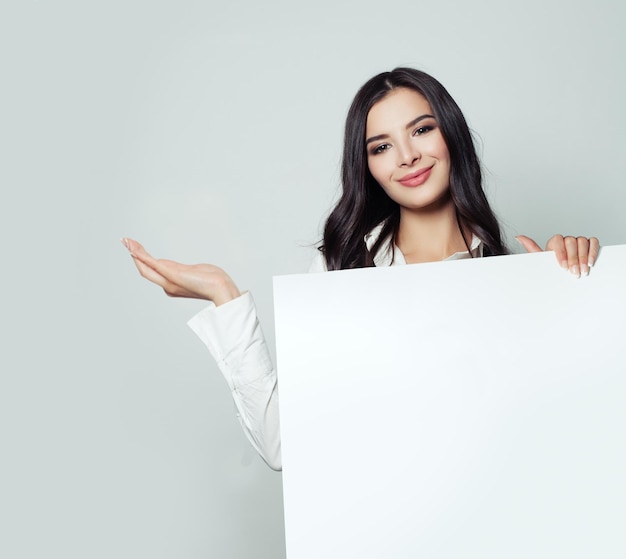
column 528, row 244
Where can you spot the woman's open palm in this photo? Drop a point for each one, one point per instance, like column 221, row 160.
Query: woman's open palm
column 196, row 281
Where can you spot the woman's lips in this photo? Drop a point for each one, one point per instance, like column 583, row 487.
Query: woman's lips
column 416, row 178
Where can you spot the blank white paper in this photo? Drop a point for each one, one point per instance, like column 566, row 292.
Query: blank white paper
column 472, row 408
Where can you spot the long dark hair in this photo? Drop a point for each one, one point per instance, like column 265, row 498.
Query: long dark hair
column 364, row 204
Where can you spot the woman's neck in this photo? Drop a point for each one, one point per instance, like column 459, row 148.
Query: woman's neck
column 430, row 235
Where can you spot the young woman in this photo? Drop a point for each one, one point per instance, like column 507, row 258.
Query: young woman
column 412, row 192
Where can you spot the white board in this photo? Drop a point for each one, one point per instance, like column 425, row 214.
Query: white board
column 472, row 408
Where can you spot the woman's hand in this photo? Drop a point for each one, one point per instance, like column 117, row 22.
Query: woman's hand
column 198, row 281
column 576, row 254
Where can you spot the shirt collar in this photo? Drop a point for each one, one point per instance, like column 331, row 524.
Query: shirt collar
column 389, row 255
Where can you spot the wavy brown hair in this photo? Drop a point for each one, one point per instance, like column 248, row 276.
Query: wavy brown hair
column 364, row 204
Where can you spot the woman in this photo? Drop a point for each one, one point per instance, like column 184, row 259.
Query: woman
column 412, row 192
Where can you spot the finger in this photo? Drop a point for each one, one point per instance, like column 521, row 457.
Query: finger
column 168, row 269
column 528, row 244
column 556, row 244
column 148, row 266
column 131, row 244
column 137, row 251
column 173, row 277
column 171, row 288
column 571, row 246
column 583, row 255
column 140, row 254
column 594, row 249
column 150, row 273
column 142, row 261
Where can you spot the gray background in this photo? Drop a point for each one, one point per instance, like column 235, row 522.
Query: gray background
column 212, row 132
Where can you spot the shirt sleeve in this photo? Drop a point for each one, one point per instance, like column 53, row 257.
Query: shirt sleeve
column 233, row 335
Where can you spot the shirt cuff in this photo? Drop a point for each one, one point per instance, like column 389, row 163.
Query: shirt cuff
column 233, row 335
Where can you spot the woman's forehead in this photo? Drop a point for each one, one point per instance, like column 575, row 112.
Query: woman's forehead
column 399, row 107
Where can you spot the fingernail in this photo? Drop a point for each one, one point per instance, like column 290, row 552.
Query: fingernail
column 591, row 262
column 584, row 270
column 564, row 264
column 575, row 271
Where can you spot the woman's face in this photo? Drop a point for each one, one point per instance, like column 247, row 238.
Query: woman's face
column 406, row 152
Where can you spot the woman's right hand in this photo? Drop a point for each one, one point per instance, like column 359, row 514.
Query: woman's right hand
column 196, row 281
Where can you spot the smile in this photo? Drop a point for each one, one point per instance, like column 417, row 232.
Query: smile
column 417, row 178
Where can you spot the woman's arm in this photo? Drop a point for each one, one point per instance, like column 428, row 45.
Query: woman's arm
column 233, row 335
column 231, row 331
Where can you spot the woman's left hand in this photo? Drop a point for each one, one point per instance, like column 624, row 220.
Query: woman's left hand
column 576, row 254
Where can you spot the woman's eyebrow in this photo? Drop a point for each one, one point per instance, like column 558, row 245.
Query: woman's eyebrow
column 416, row 120
column 376, row 138
column 412, row 123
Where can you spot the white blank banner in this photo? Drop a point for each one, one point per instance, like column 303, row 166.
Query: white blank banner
column 473, row 408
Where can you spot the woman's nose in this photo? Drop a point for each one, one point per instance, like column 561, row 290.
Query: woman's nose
column 408, row 154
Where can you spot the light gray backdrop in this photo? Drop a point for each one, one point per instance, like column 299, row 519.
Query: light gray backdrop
column 212, row 132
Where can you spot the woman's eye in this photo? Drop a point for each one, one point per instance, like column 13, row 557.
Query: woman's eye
column 422, row 130
column 380, row 149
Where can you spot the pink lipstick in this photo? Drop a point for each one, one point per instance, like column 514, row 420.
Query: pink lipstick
column 417, row 178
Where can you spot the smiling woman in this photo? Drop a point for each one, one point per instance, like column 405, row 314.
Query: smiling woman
column 400, row 115
column 412, row 192
column 411, row 162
